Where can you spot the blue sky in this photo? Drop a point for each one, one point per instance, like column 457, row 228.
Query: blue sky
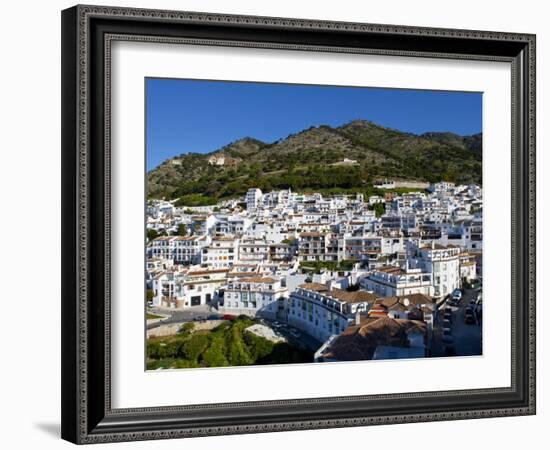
column 202, row 116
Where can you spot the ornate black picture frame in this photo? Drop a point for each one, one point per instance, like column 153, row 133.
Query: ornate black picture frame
column 87, row 415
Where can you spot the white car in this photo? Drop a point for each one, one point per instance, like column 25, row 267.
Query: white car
column 457, row 295
column 295, row 333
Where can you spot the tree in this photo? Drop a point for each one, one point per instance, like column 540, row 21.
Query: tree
column 152, row 234
column 378, row 208
column 194, row 346
column 346, row 264
column 238, row 354
column 214, row 356
column 182, row 230
column 259, row 347
column 187, row 327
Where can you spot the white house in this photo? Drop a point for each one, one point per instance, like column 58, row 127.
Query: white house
column 385, row 184
column 162, row 247
column 321, row 311
column 188, row 249
column 255, row 296
column 394, row 281
column 467, row 266
column 443, row 263
column 253, row 251
column 221, row 253
column 253, row 198
column 365, row 247
column 184, row 289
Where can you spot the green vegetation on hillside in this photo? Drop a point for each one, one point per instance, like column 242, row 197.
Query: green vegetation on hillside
column 318, row 266
column 227, row 345
column 195, row 200
column 314, row 159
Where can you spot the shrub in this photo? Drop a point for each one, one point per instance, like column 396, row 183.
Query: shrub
column 226, row 345
column 187, row 327
column 238, row 354
column 259, row 347
column 194, row 346
column 214, row 356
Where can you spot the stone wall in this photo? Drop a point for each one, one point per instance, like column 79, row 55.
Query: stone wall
column 173, row 328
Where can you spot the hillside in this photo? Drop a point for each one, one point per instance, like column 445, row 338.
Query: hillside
column 318, row 158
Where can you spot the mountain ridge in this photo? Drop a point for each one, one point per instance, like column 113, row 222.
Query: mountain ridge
column 314, row 158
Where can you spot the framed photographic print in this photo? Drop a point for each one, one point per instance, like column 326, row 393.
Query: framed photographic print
column 283, row 224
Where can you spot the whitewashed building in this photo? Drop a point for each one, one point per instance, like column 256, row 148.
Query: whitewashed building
column 253, row 251
column 321, row 311
column 184, row 289
column 221, row 253
column 162, row 247
column 254, row 296
column 253, row 199
column 394, row 281
column 443, row 263
column 188, row 249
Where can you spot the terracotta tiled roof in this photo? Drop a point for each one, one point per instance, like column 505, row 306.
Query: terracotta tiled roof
column 318, row 287
column 358, row 342
column 353, row 297
column 258, row 280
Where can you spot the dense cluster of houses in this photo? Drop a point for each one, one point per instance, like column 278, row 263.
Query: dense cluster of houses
column 329, row 266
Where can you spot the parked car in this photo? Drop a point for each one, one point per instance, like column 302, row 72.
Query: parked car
column 469, row 319
column 447, row 337
column 450, row 350
column 456, row 295
column 295, row 333
column 446, row 324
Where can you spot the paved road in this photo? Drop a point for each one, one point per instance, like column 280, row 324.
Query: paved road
column 467, row 338
column 304, row 341
column 185, row 315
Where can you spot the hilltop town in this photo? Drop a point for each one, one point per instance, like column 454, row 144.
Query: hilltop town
column 349, row 277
